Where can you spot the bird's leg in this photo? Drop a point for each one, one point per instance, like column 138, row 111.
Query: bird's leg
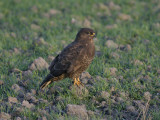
column 75, row 81
column 79, row 82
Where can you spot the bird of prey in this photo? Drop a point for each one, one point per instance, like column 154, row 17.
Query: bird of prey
column 73, row 60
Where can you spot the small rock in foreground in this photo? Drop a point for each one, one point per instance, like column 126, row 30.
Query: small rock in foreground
column 1, row 82
column 4, row 116
column 77, row 110
column 39, row 64
column 111, row 44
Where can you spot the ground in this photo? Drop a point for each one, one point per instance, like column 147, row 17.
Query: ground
column 123, row 81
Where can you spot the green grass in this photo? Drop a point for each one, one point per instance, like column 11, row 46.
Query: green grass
column 16, row 32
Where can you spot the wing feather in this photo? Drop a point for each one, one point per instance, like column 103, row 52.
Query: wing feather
column 68, row 60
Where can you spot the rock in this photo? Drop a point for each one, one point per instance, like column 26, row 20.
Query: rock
column 80, row 91
column 105, row 8
column 85, row 75
column 119, row 99
column 39, row 64
column 55, row 90
column 35, row 27
column 147, row 95
column 113, row 6
column 41, row 41
column 17, row 111
column 5, row 116
column 53, row 12
column 111, row 44
column 87, row 23
column 73, row 20
column 18, row 118
column 42, row 118
column 27, row 73
column 78, row 111
column 115, row 55
column 130, row 108
column 34, row 9
column 138, row 62
column 113, row 71
column 50, row 58
column 15, row 70
column 1, row 16
column 125, row 47
column 111, row 26
column 1, row 82
column 104, row 95
column 41, row 100
column 27, row 105
column 15, row 87
column 12, row 100
column 33, row 92
column 16, row 51
column 139, row 104
column 90, row 113
column 124, row 17
column 158, row 71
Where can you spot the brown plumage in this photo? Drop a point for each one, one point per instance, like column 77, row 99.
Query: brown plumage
column 73, row 60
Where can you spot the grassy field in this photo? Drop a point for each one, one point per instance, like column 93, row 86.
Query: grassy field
column 125, row 73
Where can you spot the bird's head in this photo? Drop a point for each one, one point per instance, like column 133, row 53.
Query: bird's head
column 85, row 34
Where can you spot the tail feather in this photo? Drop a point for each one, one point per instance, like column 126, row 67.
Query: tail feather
column 46, row 81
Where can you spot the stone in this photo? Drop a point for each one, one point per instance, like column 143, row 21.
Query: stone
column 41, row 41
column 1, row 82
column 125, row 47
column 115, row 55
column 15, row 87
column 16, row 50
column 39, row 64
column 113, row 6
column 111, row 26
column 138, row 62
column 124, row 17
column 27, row 104
column 15, row 70
column 18, row 118
column 53, row 12
column 87, row 23
column 119, row 99
column 111, row 44
column 104, row 95
column 50, row 58
column 33, row 92
column 139, row 104
column 113, row 71
column 78, row 111
column 147, row 95
column 130, row 108
column 35, row 27
column 12, row 100
column 5, row 116
column 85, row 75
column 79, row 91
column 27, row 73
column 42, row 118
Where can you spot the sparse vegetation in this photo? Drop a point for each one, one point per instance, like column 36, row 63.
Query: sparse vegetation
column 125, row 74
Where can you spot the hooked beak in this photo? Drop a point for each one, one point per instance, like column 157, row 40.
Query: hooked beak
column 94, row 34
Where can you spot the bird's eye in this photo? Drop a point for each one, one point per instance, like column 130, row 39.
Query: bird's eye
column 88, row 33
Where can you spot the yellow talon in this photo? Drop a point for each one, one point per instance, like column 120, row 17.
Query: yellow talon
column 77, row 82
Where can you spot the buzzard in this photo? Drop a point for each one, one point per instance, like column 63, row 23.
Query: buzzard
column 73, row 60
